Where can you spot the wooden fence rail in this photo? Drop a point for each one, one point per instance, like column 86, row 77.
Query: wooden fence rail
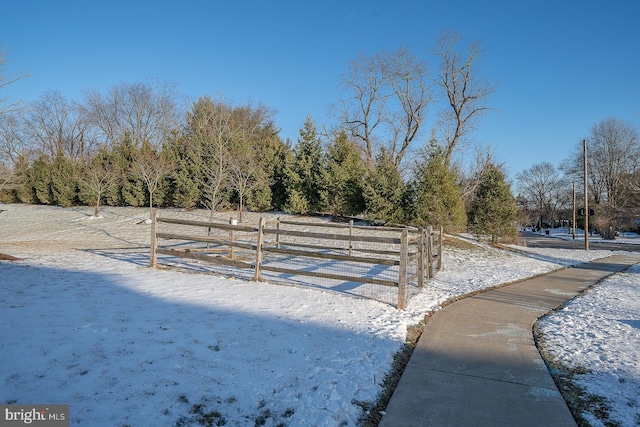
column 273, row 244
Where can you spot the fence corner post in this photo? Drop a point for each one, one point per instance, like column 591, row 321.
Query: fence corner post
column 153, row 254
column 260, row 242
column 402, row 270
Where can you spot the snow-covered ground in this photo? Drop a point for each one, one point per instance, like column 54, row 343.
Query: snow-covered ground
column 86, row 322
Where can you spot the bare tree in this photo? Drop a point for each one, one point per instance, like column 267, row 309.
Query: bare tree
column 613, row 148
column 464, row 90
column 12, row 150
column 139, row 111
column 211, row 130
column 151, row 168
column 387, row 98
column 58, row 127
column 14, row 146
column 15, row 153
column 246, row 169
column 364, row 109
column 5, row 80
column 95, row 179
column 544, row 189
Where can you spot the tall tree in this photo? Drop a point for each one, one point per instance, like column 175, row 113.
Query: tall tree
column 306, row 179
column 246, row 164
column 386, row 102
column 346, row 172
column 465, row 91
column 58, row 127
column 142, row 112
column 493, row 212
column 211, row 130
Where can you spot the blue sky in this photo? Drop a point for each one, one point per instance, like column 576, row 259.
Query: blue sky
column 560, row 66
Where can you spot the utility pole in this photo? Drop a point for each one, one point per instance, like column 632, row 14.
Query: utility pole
column 586, row 199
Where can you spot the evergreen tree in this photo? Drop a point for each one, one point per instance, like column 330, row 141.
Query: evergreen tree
column 185, row 192
column 268, row 191
column 64, row 187
column 438, row 199
column 121, row 158
column 281, row 166
column 345, row 177
column 306, row 178
column 39, row 180
column 129, row 189
column 24, row 192
column 384, row 191
column 493, row 210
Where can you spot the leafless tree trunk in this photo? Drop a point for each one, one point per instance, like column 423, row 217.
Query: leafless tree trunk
column 96, row 179
column 465, row 91
column 244, row 165
column 151, row 168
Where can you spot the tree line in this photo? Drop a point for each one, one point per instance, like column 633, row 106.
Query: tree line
column 546, row 192
column 133, row 146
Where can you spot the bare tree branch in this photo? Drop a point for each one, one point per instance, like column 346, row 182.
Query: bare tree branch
column 465, row 91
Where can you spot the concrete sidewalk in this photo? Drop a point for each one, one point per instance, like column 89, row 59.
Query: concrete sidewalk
column 476, row 363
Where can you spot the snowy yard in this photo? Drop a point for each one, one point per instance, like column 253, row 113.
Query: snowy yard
column 87, row 323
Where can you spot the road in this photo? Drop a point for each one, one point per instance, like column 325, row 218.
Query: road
column 534, row 240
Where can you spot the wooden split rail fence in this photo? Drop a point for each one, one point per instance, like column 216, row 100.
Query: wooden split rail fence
column 334, row 252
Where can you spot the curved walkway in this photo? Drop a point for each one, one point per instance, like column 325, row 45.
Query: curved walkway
column 476, row 363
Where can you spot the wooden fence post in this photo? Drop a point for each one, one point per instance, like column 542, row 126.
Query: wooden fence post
column 350, row 237
column 278, row 234
column 153, row 255
column 257, row 276
column 430, row 252
column 440, row 240
column 421, row 255
column 402, row 270
column 231, row 233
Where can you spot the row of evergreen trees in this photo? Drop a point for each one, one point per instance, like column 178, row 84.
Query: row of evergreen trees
column 259, row 172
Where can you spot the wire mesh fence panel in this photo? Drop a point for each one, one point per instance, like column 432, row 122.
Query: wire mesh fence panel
column 358, row 260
